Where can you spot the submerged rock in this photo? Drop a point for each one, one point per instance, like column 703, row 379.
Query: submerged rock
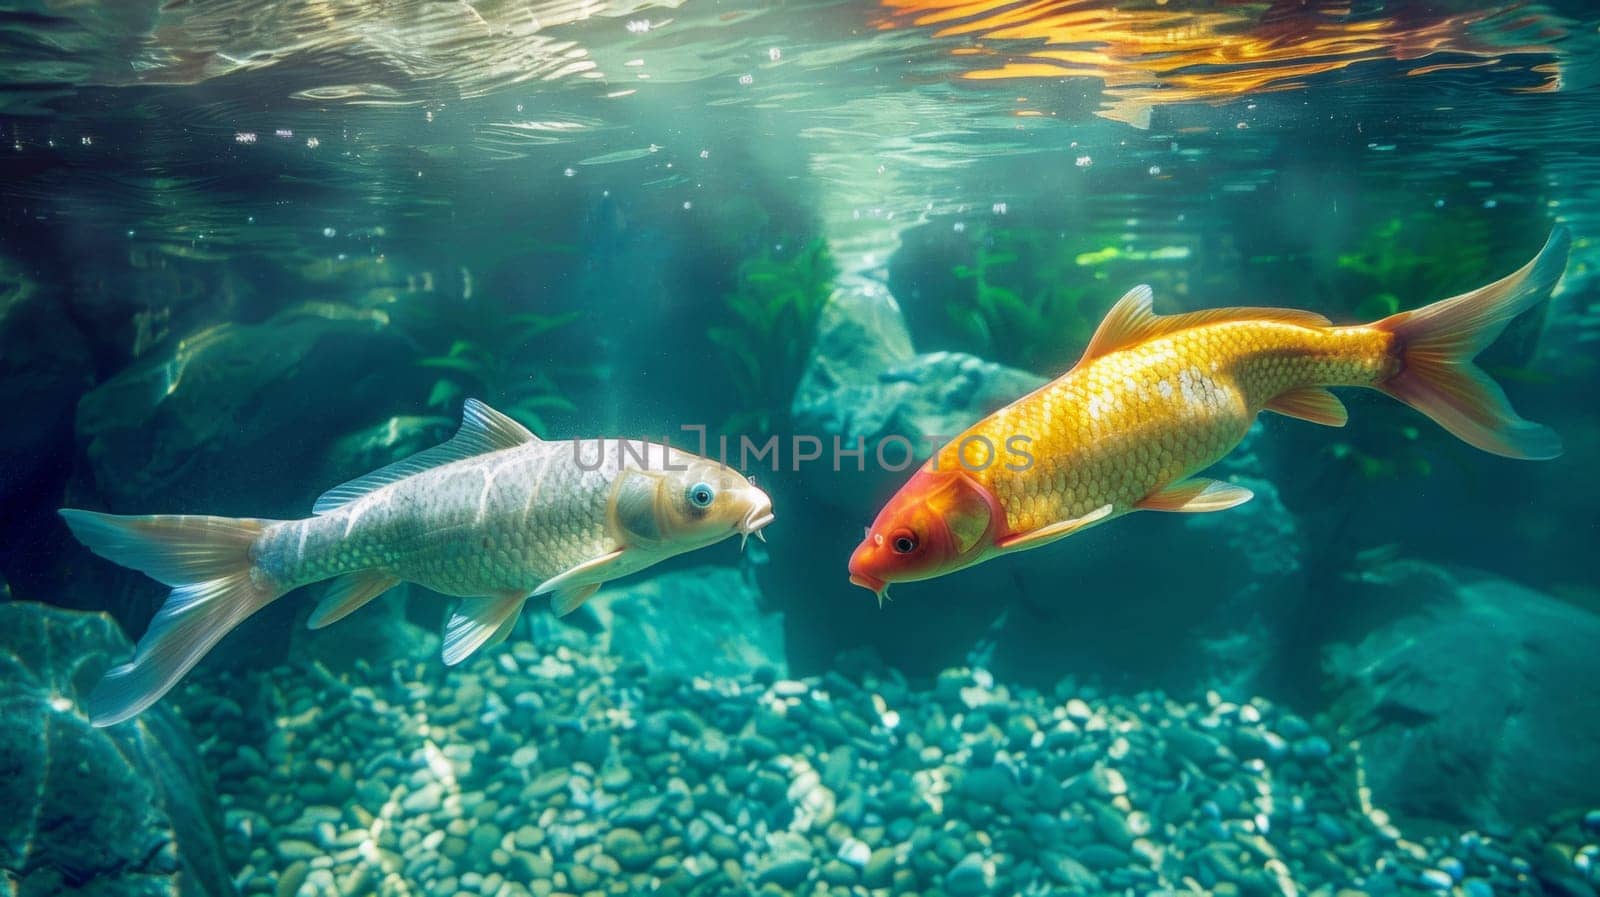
column 866, row 385
column 44, row 367
column 707, row 620
column 237, row 417
column 1476, row 705
column 123, row 810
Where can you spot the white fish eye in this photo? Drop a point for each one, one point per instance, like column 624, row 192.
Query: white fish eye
column 701, row 495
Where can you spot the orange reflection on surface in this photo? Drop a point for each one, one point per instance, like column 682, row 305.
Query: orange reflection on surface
column 1150, row 54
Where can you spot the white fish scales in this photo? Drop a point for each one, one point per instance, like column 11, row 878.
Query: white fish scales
column 493, row 516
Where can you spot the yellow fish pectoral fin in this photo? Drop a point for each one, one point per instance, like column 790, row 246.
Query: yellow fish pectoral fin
column 568, row 600
column 587, row 572
column 1196, row 495
column 1047, row 534
column 1312, row 403
column 480, row 621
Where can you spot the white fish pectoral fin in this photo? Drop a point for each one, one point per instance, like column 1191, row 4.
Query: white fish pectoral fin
column 1196, row 495
column 348, row 594
column 483, row 430
column 504, row 630
column 587, row 572
column 478, row 620
column 566, row 601
column 1047, row 534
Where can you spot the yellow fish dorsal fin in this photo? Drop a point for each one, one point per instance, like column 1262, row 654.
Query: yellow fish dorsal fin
column 1133, row 320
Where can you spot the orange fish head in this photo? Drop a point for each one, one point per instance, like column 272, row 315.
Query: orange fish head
column 939, row 522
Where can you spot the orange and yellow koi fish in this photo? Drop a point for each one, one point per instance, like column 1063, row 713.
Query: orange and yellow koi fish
column 1157, row 398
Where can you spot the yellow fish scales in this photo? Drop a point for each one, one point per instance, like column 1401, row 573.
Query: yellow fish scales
column 1129, row 420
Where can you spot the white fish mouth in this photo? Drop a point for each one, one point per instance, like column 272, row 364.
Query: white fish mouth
column 754, row 522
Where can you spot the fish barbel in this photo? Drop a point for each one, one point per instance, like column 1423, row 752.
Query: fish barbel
column 494, row 516
column 1157, row 398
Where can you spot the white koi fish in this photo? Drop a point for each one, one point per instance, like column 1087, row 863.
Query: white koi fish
column 495, row 516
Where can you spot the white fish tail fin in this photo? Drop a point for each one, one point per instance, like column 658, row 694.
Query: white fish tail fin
column 1439, row 341
column 216, row 585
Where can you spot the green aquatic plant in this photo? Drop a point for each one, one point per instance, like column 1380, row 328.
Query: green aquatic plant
column 1035, row 295
column 485, row 349
column 769, row 324
column 1405, row 263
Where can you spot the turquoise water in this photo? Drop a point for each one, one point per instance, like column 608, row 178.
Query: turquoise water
column 251, row 250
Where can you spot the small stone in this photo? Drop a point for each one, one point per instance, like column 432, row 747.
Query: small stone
column 1477, row 887
column 1437, row 879
column 1112, row 825
column 723, row 847
column 547, row 784
column 292, row 878
column 855, row 853
column 972, row 877
column 320, row 882
column 786, row 873
column 836, row 872
column 525, row 756
column 426, row 799
column 484, row 839
column 629, row 849
column 295, row 849
column 582, row 878
column 1314, row 748
column 605, row 866
column 1069, row 872
column 1100, row 857
column 640, row 812
column 879, row 869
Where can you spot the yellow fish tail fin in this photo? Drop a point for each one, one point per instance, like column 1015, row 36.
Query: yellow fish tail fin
column 1438, row 342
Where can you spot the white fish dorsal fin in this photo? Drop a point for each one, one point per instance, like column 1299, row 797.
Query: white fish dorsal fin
column 483, row 430
column 1133, row 320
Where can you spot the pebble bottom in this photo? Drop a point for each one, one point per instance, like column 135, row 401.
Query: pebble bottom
column 533, row 772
